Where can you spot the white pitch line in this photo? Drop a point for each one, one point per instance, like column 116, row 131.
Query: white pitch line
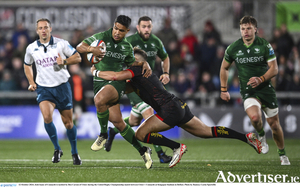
column 117, row 160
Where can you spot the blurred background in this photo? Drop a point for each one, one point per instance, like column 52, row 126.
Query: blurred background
column 195, row 34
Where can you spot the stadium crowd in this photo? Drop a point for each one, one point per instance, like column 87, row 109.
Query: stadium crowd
column 195, row 63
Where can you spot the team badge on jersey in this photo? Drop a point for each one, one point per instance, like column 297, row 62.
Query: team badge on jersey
column 256, row 50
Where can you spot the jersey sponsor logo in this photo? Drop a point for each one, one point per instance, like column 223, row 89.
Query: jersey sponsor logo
column 153, row 45
column 239, row 53
column 256, row 50
column 115, row 55
column 221, row 130
column 46, row 62
column 249, row 59
column 151, row 53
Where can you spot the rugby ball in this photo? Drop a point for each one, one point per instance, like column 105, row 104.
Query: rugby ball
column 90, row 56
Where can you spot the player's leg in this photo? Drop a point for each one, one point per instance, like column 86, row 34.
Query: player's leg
column 253, row 109
column 147, row 132
column 47, row 109
column 129, row 135
column 196, row 127
column 277, row 134
column 67, row 119
column 104, row 98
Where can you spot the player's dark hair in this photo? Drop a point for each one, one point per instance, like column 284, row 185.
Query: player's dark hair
column 124, row 20
column 140, row 52
column 144, row 18
column 248, row 19
column 43, row 19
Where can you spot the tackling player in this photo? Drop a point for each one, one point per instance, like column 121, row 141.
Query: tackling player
column 171, row 111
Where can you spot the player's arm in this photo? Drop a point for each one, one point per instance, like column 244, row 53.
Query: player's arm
column 74, row 59
column 111, row 75
column 146, row 67
column 29, row 75
column 165, row 65
column 272, row 72
column 223, row 80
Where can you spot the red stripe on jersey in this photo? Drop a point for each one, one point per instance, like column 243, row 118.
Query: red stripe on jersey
column 161, row 119
column 148, row 138
column 215, row 131
column 131, row 72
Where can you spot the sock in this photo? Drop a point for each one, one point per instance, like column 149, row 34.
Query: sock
column 261, row 132
column 158, row 139
column 281, row 152
column 224, row 132
column 72, row 136
column 129, row 135
column 51, row 130
column 157, row 148
column 103, row 120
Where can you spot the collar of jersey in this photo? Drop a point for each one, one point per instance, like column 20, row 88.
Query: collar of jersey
column 247, row 46
column 50, row 42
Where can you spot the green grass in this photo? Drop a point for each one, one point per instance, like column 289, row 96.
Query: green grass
column 30, row 161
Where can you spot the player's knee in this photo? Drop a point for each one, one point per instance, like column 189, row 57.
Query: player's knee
column 275, row 126
column 139, row 135
column 255, row 118
column 68, row 125
column 48, row 119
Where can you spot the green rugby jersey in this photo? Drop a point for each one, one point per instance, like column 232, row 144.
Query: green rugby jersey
column 250, row 61
column 153, row 46
column 117, row 53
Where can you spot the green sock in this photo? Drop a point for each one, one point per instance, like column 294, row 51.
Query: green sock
column 261, row 132
column 129, row 135
column 281, row 152
column 157, row 148
column 103, row 120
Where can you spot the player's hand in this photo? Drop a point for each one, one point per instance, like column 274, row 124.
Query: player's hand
column 98, row 52
column 164, row 78
column 225, row 96
column 59, row 60
column 92, row 69
column 146, row 70
column 32, row 87
column 254, row 82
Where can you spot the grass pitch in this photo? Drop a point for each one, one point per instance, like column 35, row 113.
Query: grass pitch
column 30, row 161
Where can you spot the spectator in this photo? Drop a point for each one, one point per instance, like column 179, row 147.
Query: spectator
column 20, row 30
column 7, row 84
column 206, row 85
column 285, row 42
column 182, row 84
column 18, row 73
column 167, row 34
column 216, row 65
column 190, row 40
column 211, row 32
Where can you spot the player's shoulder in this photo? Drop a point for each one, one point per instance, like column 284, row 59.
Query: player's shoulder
column 32, row 45
column 234, row 45
column 57, row 40
column 261, row 41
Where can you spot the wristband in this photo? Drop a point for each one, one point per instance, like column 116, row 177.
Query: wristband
column 95, row 73
column 65, row 61
column 166, row 73
column 262, row 78
column 223, row 89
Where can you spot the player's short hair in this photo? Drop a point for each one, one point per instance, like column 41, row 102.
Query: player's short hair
column 144, row 18
column 124, row 20
column 140, row 52
column 43, row 19
column 248, row 19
